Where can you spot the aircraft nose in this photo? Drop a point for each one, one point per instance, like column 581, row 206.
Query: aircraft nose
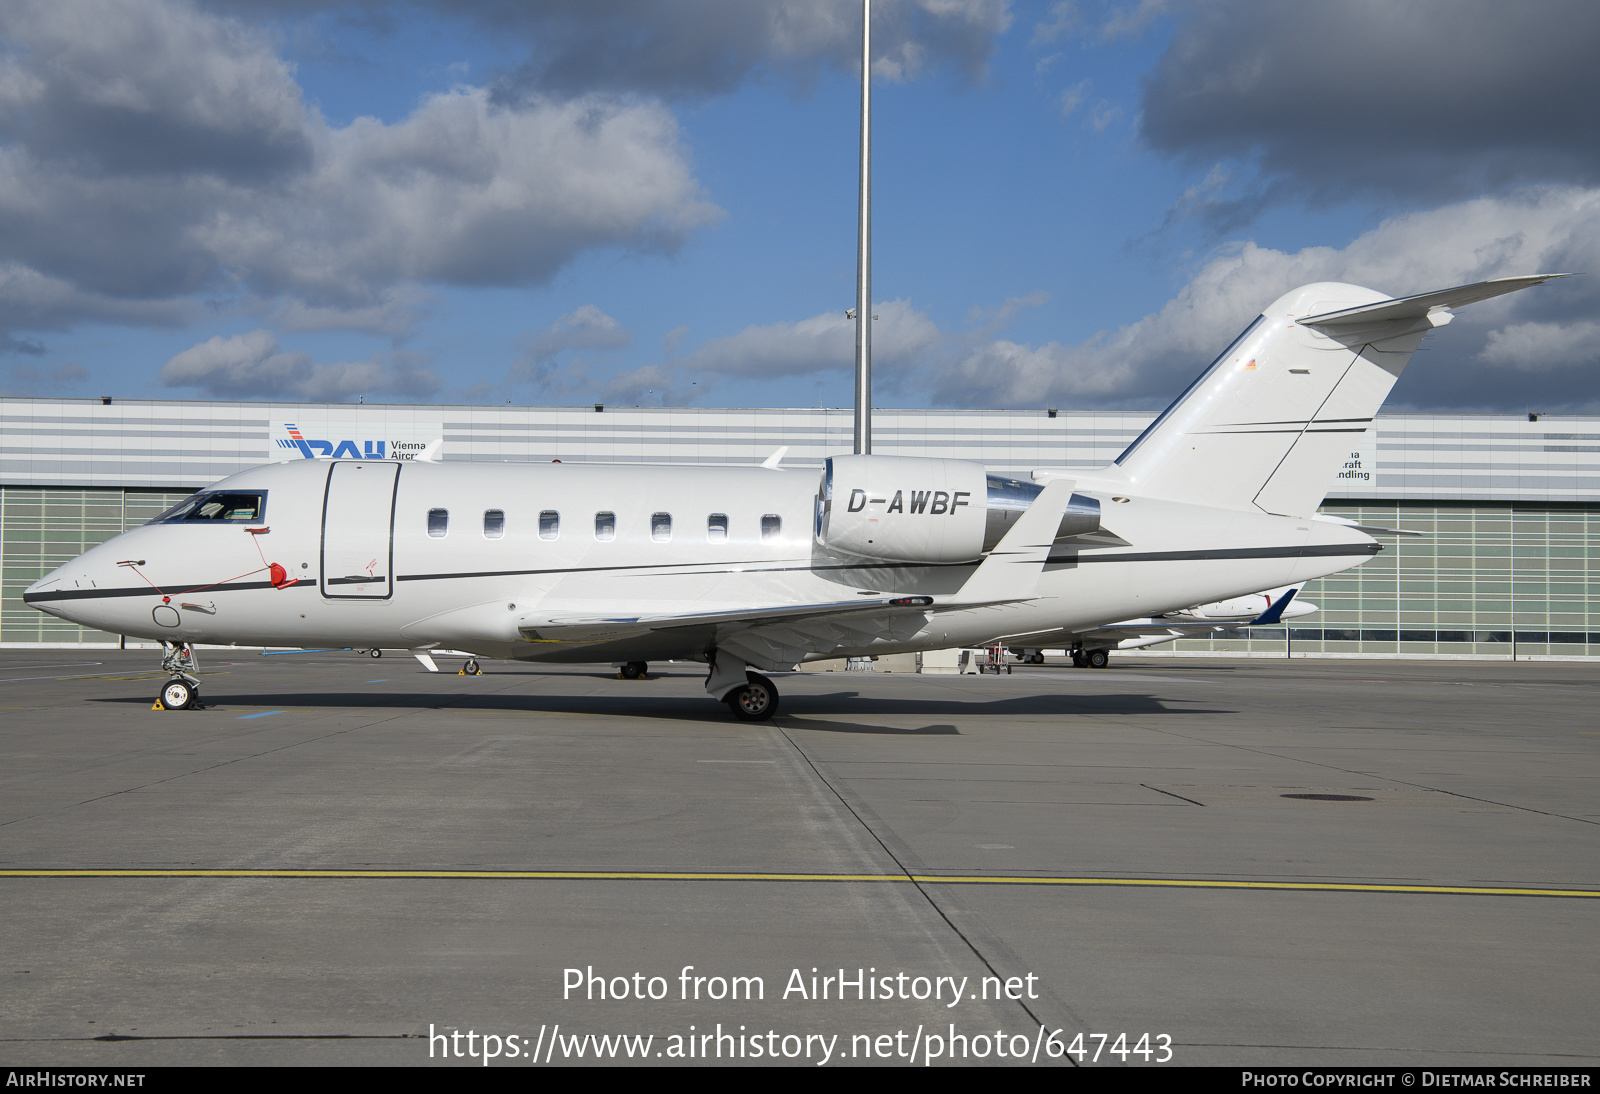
column 66, row 591
column 38, row 595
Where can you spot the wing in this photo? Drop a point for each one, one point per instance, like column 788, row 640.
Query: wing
column 582, row 628
column 786, row 634
column 773, row 637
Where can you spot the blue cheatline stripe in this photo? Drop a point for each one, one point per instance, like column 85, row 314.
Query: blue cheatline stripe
column 263, row 714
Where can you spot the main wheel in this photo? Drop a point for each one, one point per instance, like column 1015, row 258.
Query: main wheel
column 1098, row 659
column 176, row 695
column 633, row 670
column 756, row 701
column 1077, row 659
column 374, row 653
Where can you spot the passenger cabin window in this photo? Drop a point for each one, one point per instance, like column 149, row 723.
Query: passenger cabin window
column 438, row 522
column 216, row 508
column 771, row 526
column 549, row 524
column 717, row 527
column 661, row 527
column 494, row 523
column 605, row 526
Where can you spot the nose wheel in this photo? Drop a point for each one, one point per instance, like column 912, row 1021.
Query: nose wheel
column 755, row 701
column 182, row 692
column 179, row 695
column 634, row 670
column 472, row 668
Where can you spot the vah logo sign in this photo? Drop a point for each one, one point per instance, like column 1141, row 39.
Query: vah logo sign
column 355, row 440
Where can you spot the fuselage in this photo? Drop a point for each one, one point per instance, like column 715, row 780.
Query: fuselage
column 385, row 554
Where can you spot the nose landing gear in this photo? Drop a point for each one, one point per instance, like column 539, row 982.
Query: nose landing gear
column 182, row 692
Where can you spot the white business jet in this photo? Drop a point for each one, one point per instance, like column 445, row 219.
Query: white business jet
column 757, row 570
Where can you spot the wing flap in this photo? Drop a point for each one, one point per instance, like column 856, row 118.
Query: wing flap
column 582, row 628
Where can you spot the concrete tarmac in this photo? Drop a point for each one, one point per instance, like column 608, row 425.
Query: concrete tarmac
column 1113, row 849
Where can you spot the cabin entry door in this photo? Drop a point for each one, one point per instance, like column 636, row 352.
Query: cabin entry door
column 358, row 530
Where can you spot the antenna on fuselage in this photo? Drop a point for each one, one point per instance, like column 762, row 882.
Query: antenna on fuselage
column 864, row 248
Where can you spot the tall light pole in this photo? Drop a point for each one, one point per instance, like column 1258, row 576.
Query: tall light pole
column 864, row 248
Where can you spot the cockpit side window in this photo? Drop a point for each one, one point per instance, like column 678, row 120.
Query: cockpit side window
column 219, row 507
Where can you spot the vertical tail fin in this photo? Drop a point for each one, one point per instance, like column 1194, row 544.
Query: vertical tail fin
column 1268, row 424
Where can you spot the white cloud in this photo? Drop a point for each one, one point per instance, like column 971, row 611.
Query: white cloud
column 1130, row 21
column 677, row 49
column 24, row 379
column 1538, row 347
column 1145, row 363
column 467, row 193
column 253, row 366
column 900, row 335
column 151, row 153
column 1062, row 20
column 651, row 385
column 1072, row 97
column 586, row 327
column 1435, row 99
column 113, row 86
column 587, row 330
column 30, row 300
column 673, row 339
column 395, row 312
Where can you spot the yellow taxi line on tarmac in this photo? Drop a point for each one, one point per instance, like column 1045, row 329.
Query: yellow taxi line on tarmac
column 935, row 879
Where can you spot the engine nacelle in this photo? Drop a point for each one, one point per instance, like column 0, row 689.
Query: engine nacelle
column 903, row 508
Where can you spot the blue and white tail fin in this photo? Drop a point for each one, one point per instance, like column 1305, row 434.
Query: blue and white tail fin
column 1268, row 425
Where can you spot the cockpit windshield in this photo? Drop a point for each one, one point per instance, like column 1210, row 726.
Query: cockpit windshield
column 216, row 508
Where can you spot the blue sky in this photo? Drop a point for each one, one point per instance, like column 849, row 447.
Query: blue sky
column 1075, row 204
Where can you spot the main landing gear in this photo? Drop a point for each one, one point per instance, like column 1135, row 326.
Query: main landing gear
column 1094, row 659
column 756, row 701
column 749, row 695
column 182, row 692
column 634, row 670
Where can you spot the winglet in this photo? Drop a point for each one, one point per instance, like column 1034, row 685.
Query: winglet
column 431, row 451
column 771, row 462
column 1274, row 613
column 1011, row 572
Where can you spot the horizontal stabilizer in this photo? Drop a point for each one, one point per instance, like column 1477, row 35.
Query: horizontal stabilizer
column 1369, row 529
column 1418, row 307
